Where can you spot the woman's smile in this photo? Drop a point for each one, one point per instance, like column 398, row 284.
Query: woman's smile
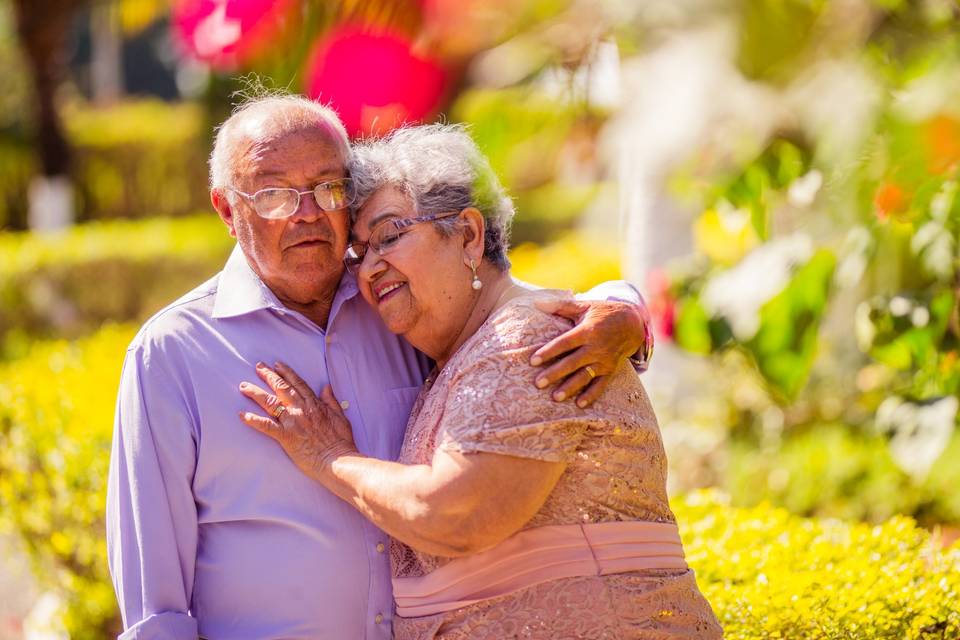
column 387, row 289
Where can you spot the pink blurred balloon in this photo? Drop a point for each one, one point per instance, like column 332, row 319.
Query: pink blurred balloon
column 375, row 81
column 227, row 33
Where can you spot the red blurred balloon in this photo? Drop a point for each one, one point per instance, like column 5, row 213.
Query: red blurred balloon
column 375, row 81
column 227, row 33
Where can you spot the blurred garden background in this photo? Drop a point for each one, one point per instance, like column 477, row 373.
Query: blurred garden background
column 778, row 177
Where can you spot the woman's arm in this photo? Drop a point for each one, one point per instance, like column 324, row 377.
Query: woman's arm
column 457, row 505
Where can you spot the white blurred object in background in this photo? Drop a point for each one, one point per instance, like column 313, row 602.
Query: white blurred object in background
column 51, row 203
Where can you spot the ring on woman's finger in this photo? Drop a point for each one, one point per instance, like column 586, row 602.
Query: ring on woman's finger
column 278, row 411
column 590, row 372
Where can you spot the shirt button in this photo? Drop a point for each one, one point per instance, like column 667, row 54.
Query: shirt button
column 344, row 405
column 378, row 618
column 380, row 547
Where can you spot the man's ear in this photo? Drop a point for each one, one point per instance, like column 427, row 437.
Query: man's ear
column 473, row 233
column 220, row 202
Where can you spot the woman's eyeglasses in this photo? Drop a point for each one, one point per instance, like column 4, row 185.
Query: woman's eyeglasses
column 384, row 238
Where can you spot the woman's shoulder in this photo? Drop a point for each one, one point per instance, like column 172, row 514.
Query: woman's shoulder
column 517, row 326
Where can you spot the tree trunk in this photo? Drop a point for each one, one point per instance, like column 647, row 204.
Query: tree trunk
column 43, row 27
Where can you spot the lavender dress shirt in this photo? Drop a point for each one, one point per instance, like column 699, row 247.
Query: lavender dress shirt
column 211, row 529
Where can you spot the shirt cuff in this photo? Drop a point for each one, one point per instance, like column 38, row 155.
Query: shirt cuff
column 169, row 625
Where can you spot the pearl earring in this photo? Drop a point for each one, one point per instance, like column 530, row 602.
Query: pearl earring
column 476, row 284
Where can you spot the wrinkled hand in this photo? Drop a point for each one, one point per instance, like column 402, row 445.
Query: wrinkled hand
column 312, row 431
column 606, row 333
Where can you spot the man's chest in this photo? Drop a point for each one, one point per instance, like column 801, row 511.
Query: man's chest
column 238, row 466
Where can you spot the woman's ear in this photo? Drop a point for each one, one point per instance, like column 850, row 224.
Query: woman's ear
column 473, row 233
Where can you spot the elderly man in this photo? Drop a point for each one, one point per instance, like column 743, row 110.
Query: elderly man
column 212, row 531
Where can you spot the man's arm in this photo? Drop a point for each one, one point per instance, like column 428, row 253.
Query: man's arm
column 612, row 324
column 151, row 513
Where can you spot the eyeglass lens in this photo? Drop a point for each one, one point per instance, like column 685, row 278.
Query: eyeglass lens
column 283, row 202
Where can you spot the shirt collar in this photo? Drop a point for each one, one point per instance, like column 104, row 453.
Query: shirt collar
column 241, row 291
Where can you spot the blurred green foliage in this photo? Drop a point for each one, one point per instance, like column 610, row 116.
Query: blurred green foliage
column 836, row 471
column 529, row 137
column 134, row 159
column 67, row 285
column 15, row 80
column 520, row 130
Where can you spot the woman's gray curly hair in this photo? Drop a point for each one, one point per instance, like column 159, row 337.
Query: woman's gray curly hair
column 441, row 168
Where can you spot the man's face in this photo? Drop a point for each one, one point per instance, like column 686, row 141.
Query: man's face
column 300, row 257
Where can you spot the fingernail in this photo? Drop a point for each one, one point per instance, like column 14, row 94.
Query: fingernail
column 541, row 383
column 536, row 360
column 243, row 385
column 559, row 396
column 582, row 404
column 277, row 364
column 260, row 365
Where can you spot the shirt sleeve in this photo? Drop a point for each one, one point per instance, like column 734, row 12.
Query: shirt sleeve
column 151, row 513
column 493, row 405
column 613, row 290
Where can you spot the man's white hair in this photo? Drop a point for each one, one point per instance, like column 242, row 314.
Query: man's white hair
column 273, row 114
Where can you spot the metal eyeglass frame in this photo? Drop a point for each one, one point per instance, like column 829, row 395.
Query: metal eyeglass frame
column 354, row 261
column 251, row 197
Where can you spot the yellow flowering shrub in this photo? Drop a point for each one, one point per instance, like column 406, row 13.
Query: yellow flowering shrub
column 56, row 421
column 771, row 574
column 571, row 262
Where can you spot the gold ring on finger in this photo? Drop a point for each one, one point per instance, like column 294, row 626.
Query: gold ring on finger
column 279, row 411
column 590, row 372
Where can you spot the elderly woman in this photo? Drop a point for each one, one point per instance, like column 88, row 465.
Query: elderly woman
column 511, row 515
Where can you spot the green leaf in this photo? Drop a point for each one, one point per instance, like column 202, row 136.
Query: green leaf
column 785, row 345
column 692, row 329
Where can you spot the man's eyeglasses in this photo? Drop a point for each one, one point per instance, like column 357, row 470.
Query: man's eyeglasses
column 274, row 203
column 384, row 238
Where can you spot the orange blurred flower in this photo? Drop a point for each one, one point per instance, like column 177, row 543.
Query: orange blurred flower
column 890, row 200
column 942, row 136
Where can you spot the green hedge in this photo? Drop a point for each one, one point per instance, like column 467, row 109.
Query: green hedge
column 130, row 160
column 769, row 574
column 835, row 470
column 68, row 285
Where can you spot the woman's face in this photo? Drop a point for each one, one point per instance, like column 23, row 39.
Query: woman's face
column 421, row 287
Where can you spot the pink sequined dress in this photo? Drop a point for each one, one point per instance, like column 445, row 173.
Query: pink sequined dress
column 484, row 400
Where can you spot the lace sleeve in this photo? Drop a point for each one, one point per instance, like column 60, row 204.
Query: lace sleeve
column 493, row 405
